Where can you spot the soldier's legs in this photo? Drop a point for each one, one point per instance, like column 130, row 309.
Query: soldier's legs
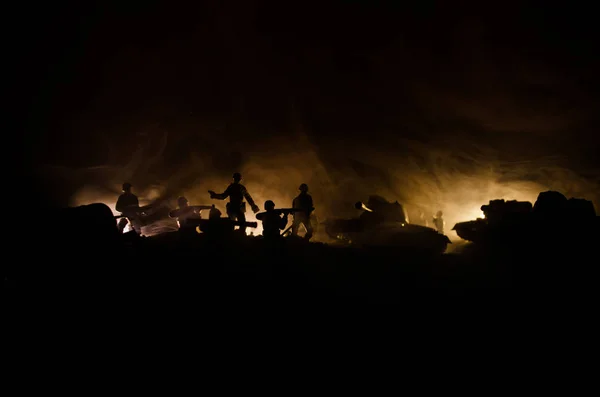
column 238, row 216
column 241, row 217
column 296, row 225
column 304, row 220
column 309, row 228
column 232, row 217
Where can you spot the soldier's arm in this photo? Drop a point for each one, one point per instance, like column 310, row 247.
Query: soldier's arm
column 249, row 198
column 220, row 196
column 251, row 201
column 310, row 204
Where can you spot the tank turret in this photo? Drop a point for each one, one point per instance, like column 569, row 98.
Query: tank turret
column 378, row 209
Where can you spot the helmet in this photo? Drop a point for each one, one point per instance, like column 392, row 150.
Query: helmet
column 237, row 176
column 269, row 205
column 181, row 201
column 303, row 187
column 126, row 186
column 214, row 213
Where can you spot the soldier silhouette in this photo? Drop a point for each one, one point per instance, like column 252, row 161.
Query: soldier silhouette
column 273, row 221
column 304, row 203
column 423, row 219
column 185, row 215
column 214, row 213
column 438, row 222
column 236, row 208
column 129, row 205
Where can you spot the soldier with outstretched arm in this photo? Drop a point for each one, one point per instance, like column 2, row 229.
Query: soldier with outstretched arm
column 236, row 192
column 304, row 204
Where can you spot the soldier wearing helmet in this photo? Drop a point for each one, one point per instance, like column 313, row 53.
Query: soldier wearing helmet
column 273, row 221
column 236, row 208
column 304, row 203
column 129, row 205
column 185, row 214
column 182, row 202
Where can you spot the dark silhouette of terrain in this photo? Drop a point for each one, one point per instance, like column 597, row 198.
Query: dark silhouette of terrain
column 80, row 260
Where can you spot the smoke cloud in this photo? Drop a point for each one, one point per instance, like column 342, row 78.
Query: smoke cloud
column 437, row 112
column 455, row 178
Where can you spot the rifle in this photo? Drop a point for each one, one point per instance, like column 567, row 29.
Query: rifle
column 281, row 211
column 287, row 211
column 289, row 228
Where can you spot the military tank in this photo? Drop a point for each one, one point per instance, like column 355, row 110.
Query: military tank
column 553, row 219
column 497, row 214
column 384, row 224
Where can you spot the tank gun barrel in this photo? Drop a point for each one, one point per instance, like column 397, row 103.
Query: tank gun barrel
column 361, row 206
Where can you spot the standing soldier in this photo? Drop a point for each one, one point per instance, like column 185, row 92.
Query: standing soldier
column 423, row 219
column 236, row 208
column 438, row 222
column 129, row 205
column 304, row 203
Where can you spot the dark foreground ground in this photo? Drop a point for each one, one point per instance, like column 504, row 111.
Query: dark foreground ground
column 173, row 272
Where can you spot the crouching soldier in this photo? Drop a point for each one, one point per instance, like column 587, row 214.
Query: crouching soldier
column 187, row 216
column 273, row 221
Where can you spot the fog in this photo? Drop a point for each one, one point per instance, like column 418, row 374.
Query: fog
column 437, row 108
column 455, row 178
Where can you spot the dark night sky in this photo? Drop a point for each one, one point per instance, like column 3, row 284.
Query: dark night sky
column 366, row 86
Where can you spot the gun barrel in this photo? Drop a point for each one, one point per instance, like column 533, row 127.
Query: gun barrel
column 288, row 210
column 361, row 206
